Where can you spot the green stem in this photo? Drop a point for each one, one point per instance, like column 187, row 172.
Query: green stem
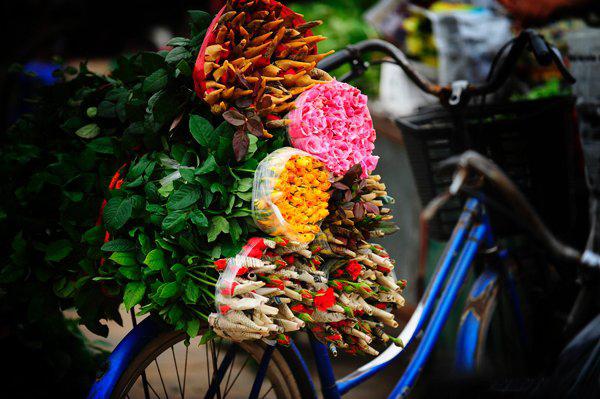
column 202, row 315
column 201, row 280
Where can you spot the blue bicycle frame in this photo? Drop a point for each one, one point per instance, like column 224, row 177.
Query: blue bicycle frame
column 471, row 235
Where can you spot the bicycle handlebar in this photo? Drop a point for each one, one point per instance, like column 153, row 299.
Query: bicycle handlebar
column 452, row 94
column 517, row 201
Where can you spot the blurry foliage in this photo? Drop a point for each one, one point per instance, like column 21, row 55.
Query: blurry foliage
column 343, row 25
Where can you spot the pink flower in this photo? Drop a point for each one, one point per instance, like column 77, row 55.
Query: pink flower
column 332, row 122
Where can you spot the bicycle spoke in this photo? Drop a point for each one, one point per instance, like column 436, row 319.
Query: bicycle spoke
column 237, row 375
column 215, row 384
column 229, row 373
column 215, row 362
column 185, row 370
column 177, row 371
column 207, row 365
column 266, row 393
column 161, row 379
column 152, row 389
column 145, row 385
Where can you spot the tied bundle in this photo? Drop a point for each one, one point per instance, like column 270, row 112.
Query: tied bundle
column 333, row 123
column 275, row 287
column 290, row 195
column 258, row 53
column 357, row 213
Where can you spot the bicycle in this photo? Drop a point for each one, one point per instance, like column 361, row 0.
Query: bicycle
column 282, row 371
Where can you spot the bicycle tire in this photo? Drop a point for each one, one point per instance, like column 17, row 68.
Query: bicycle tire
column 285, row 368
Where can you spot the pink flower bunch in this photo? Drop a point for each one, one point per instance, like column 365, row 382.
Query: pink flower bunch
column 331, row 121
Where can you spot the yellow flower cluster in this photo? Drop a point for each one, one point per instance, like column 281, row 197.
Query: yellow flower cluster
column 300, row 194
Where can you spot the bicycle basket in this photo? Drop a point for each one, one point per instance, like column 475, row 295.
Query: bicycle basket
column 532, row 141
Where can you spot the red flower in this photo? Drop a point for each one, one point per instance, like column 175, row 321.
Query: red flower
column 224, row 309
column 242, row 270
column 289, row 259
column 336, row 285
column 283, row 339
column 383, row 269
column 229, row 290
column 354, row 269
column 381, row 305
column 221, row 264
column 306, row 294
column 299, row 308
column 324, row 299
column 255, row 247
column 334, row 337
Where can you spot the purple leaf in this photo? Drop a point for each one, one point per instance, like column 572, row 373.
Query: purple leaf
column 240, row 145
column 234, row 117
column 359, row 210
column 255, row 127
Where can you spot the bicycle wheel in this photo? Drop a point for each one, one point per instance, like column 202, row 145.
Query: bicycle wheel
column 167, row 368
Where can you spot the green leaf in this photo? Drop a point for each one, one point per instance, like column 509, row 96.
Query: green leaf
column 199, row 218
column 218, row 225
column 156, row 81
column 200, row 19
column 88, row 131
column 123, row 258
column 155, row 259
column 58, row 250
column 235, row 230
column 102, row 145
column 187, row 174
column 183, row 197
column 192, row 292
column 245, row 184
column 134, row 293
column 91, row 112
column 203, row 132
column 207, row 336
column 177, row 54
column 131, row 272
column 253, row 146
column 192, row 328
column 118, row 245
column 116, row 213
column 209, row 165
column 178, row 41
column 174, row 222
column 93, row 235
column 168, row 290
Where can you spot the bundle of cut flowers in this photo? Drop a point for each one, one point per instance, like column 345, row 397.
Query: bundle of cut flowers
column 230, row 147
column 274, row 287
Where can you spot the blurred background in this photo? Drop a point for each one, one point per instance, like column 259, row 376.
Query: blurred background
column 446, row 41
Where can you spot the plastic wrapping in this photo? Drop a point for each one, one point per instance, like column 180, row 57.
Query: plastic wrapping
column 289, row 196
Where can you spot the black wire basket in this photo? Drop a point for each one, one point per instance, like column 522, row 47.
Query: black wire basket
column 533, row 141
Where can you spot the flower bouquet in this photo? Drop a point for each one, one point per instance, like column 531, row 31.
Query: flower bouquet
column 244, row 182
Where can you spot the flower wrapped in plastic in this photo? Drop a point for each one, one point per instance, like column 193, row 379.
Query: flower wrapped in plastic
column 332, row 122
column 257, row 52
column 275, row 287
column 289, row 196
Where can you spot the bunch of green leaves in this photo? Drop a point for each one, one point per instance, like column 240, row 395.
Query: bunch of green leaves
column 184, row 201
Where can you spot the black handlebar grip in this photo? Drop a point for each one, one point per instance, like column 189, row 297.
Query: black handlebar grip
column 335, row 60
column 540, row 48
